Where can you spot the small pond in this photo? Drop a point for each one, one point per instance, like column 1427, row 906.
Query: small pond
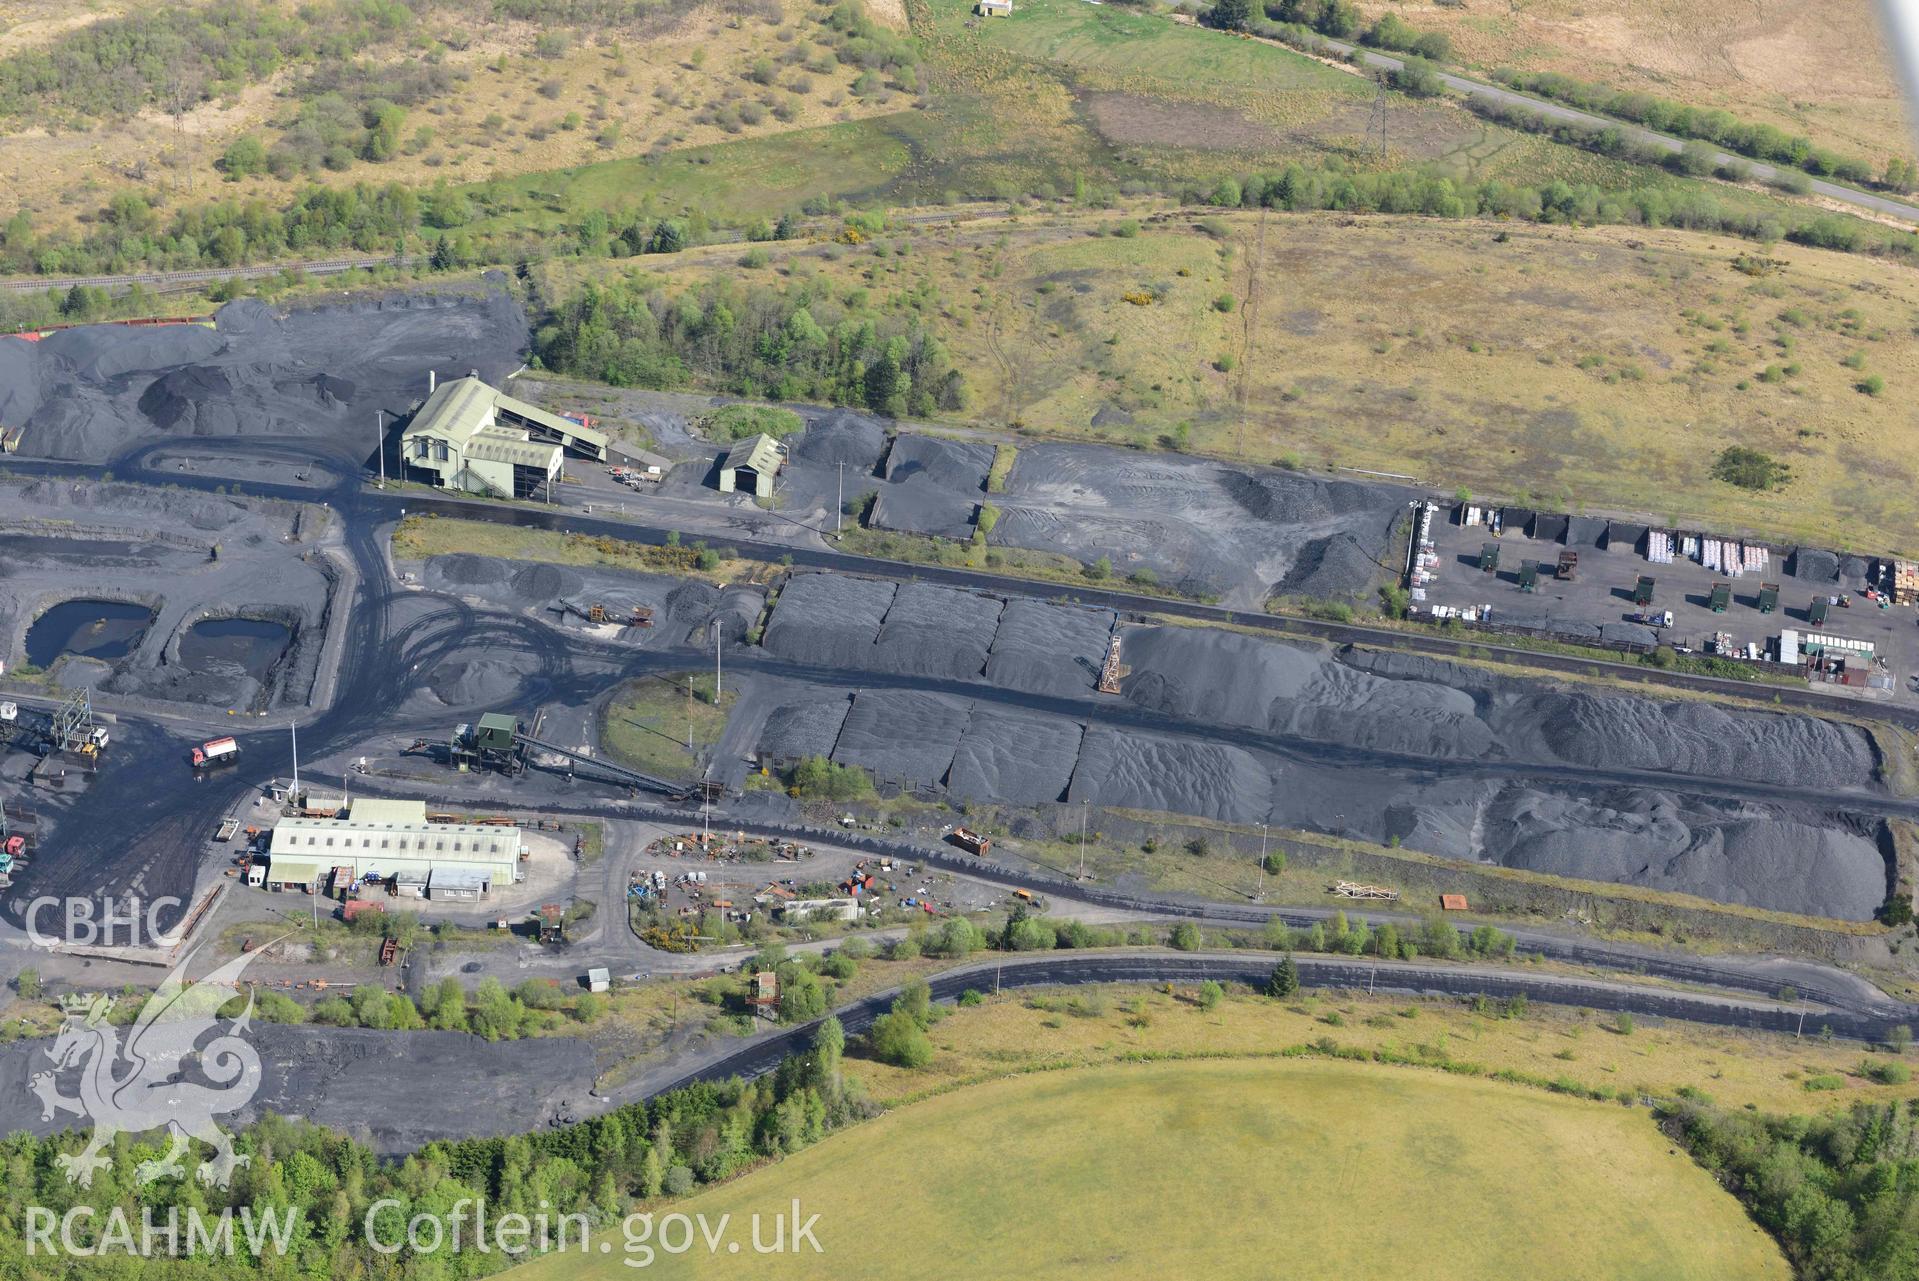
column 104, row 629
column 255, row 644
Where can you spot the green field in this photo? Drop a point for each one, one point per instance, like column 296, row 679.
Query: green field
column 1235, row 1169
column 1063, row 92
column 1103, row 37
column 650, row 721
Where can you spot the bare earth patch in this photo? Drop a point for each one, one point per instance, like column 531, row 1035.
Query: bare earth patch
column 28, row 24
column 1153, row 122
column 888, row 13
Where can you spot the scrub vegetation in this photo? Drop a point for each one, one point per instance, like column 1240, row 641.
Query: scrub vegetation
column 1607, row 368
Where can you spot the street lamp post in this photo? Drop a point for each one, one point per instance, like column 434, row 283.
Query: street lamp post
column 1261, row 896
column 1085, row 808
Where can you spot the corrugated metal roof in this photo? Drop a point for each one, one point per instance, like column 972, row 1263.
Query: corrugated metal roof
column 371, row 809
column 361, row 840
column 455, row 411
column 762, row 453
column 458, row 877
column 293, row 869
column 564, row 427
column 501, row 447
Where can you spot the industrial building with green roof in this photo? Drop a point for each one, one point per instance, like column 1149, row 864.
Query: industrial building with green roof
column 392, row 838
column 755, row 460
column 472, row 437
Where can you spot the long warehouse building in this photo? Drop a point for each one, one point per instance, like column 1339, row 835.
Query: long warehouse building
column 394, row 840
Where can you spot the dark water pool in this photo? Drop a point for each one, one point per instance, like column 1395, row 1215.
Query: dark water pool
column 253, row 643
column 105, row 629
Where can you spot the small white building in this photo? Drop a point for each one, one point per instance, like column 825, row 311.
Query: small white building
column 994, row 8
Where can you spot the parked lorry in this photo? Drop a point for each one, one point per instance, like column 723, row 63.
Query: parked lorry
column 216, row 751
column 1652, row 618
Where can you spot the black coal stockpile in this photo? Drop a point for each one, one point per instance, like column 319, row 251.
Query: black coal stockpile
column 312, row 372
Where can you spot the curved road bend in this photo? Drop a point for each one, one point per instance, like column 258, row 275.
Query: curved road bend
column 763, row 1053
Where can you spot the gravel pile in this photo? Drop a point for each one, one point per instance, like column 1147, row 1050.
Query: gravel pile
column 949, row 464
column 929, row 630
column 1180, row 776
column 539, row 584
column 1331, row 568
column 1218, row 676
column 1585, row 531
column 937, row 631
column 828, row 620
column 922, row 507
column 1650, row 839
column 1406, row 703
column 1814, row 564
column 841, row 437
column 1226, row 678
column 902, row 737
column 734, row 613
column 1206, row 528
column 482, row 683
column 1699, row 738
column 1412, row 717
column 806, row 728
column 1015, row 758
column 1049, row 649
column 467, row 570
column 88, row 393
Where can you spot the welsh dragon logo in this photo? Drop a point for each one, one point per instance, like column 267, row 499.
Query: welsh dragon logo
column 137, row 1088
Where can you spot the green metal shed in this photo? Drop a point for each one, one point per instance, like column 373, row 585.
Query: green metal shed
column 496, row 732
